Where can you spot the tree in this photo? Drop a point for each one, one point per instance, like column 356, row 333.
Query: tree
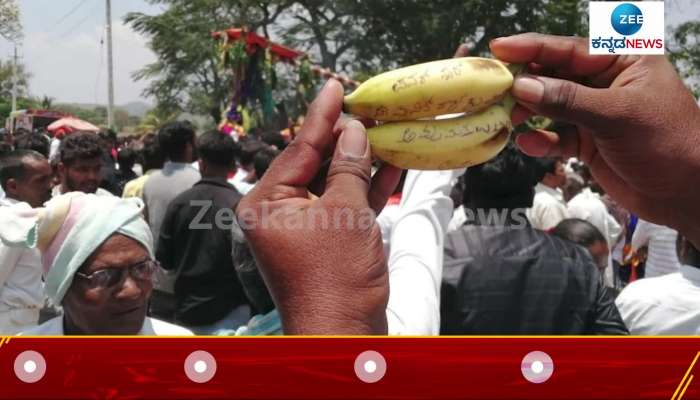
column 685, row 53
column 330, row 29
column 6, row 79
column 46, row 102
column 23, row 103
column 186, row 75
column 152, row 121
column 363, row 37
column 121, row 119
column 357, row 37
column 10, row 25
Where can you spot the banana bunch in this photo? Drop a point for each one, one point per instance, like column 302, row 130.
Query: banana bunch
column 405, row 97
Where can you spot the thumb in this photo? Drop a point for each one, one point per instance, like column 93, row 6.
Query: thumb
column 348, row 177
column 566, row 100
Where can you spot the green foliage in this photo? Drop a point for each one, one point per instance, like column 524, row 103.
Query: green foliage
column 685, row 53
column 355, row 37
column 363, row 37
column 6, row 79
column 186, row 76
column 23, row 103
column 10, row 25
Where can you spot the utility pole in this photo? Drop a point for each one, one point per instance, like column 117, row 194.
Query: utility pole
column 110, row 69
column 14, row 80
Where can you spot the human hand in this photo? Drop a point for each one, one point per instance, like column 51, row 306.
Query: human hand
column 322, row 257
column 633, row 122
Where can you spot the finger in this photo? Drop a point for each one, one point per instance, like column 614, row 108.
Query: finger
column 543, row 143
column 569, row 101
column 345, row 118
column 558, row 52
column 301, row 160
column 520, row 114
column 383, row 185
column 349, row 173
column 462, row 51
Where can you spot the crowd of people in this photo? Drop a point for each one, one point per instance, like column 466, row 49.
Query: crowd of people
column 592, row 229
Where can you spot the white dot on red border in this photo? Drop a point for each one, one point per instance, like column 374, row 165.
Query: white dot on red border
column 30, row 366
column 370, row 366
column 200, row 366
column 537, row 367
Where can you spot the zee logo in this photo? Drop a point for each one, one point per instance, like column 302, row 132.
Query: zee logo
column 627, row 19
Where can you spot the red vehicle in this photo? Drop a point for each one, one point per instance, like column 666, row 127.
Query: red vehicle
column 32, row 119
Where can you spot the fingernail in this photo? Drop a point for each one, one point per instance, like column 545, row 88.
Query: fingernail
column 353, row 140
column 494, row 41
column 325, row 85
column 528, row 89
column 532, row 145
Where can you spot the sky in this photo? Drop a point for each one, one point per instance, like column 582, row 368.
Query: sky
column 62, row 47
column 64, row 54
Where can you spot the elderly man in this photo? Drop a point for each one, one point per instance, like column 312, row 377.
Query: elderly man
column 26, row 178
column 97, row 257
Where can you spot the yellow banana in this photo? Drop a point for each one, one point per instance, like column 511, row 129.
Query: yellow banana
column 443, row 144
column 455, row 85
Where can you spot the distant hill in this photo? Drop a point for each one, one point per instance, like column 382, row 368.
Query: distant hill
column 134, row 108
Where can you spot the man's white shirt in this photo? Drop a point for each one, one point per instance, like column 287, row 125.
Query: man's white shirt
column 548, row 208
column 665, row 305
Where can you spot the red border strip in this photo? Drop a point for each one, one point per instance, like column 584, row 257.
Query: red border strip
column 315, row 368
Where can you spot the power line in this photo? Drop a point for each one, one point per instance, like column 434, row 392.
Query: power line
column 72, row 28
column 69, row 13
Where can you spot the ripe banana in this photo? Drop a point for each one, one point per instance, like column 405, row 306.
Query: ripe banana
column 443, row 144
column 449, row 86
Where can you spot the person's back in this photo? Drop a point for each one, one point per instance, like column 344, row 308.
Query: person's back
column 177, row 143
column 548, row 207
column 662, row 258
column 126, row 158
column 195, row 242
column 151, row 159
column 502, row 276
column 668, row 304
column 519, row 280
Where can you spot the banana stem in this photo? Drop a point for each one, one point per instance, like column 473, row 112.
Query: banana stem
column 508, row 103
column 508, row 100
column 516, row 69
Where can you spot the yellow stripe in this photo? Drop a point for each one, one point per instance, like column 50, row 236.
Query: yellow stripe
column 685, row 376
column 685, row 387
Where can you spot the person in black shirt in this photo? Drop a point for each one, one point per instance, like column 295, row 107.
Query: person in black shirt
column 195, row 243
column 501, row 276
column 126, row 158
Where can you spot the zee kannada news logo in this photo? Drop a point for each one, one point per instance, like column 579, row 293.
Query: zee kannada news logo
column 626, row 19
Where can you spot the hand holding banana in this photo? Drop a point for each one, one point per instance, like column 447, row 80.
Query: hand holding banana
column 477, row 86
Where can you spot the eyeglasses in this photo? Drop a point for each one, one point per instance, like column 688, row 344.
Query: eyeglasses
column 108, row 277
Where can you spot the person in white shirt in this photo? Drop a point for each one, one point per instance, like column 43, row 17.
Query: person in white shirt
column 97, row 254
column 665, row 305
column 416, row 253
column 662, row 257
column 588, row 206
column 80, row 164
column 548, row 207
column 245, row 177
column 26, row 177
